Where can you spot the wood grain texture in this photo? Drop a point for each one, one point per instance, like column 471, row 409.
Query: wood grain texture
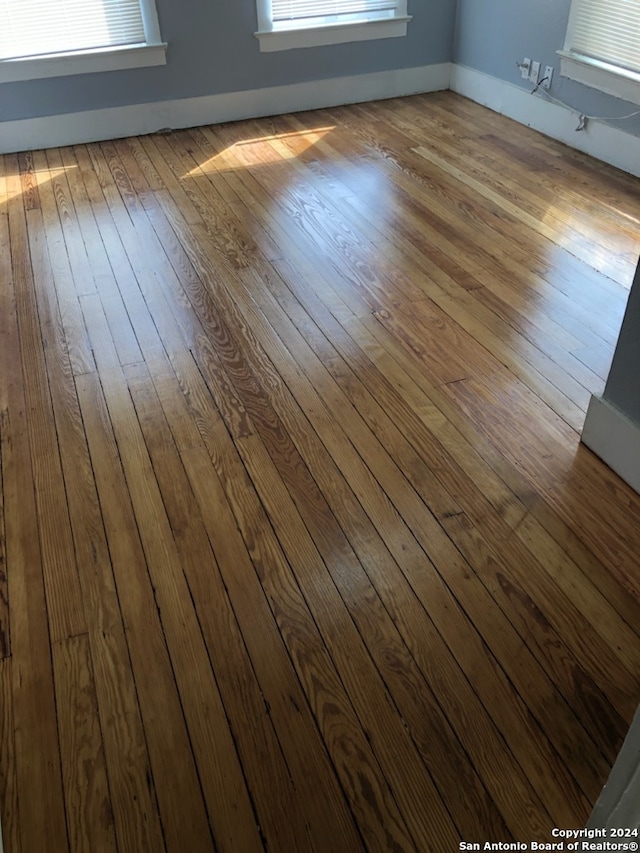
column 299, row 549
column 9, row 806
column 6, row 306
column 36, row 758
column 122, row 735
column 88, row 810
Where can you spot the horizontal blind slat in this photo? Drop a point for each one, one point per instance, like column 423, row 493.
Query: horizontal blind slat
column 297, row 9
column 35, row 27
column 608, row 30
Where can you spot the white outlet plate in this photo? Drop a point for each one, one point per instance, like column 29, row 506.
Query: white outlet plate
column 547, row 76
column 534, row 75
column 525, row 68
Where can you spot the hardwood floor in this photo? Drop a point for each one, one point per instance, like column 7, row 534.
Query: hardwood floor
column 299, row 549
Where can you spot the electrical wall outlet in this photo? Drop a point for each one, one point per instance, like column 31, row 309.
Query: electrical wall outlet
column 534, row 74
column 547, row 77
column 525, row 68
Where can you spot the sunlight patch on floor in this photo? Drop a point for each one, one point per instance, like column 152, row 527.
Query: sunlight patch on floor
column 259, row 152
column 11, row 186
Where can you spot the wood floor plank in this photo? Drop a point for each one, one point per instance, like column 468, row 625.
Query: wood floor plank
column 491, row 635
column 102, row 272
column 487, row 470
column 448, row 294
column 280, row 603
column 548, row 167
column 124, row 744
column 535, row 223
column 542, row 516
column 449, row 512
column 224, row 789
column 89, row 814
column 328, row 234
column 532, row 310
column 5, row 630
column 35, row 739
column 4, row 190
column 310, row 405
column 74, row 329
column 272, row 570
column 181, row 808
column 538, row 345
column 9, row 804
column 5, row 624
column 208, row 362
column 60, row 186
column 28, row 181
column 418, row 798
column 536, row 348
column 124, row 274
column 227, row 312
column 442, row 240
column 280, row 812
column 490, row 213
column 354, row 586
column 345, row 738
column 60, row 571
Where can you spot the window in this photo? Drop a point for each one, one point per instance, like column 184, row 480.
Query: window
column 39, row 38
column 602, row 48
column 285, row 24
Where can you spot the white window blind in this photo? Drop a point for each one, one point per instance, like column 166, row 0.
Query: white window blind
column 31, row 28
column 607, row 30
column 285, row 24
column 294, row 10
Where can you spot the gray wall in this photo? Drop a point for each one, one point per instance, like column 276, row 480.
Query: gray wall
column 212, row 50
column 492, row 35
column 623, row 385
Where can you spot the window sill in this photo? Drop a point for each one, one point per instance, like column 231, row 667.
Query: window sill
column 286, row 39
column 600, row 75
column 85, row 62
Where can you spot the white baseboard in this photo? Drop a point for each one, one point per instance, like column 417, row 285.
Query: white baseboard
column 116, row 122
column 614, row 438
column 600, row 140
column 619, row 803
